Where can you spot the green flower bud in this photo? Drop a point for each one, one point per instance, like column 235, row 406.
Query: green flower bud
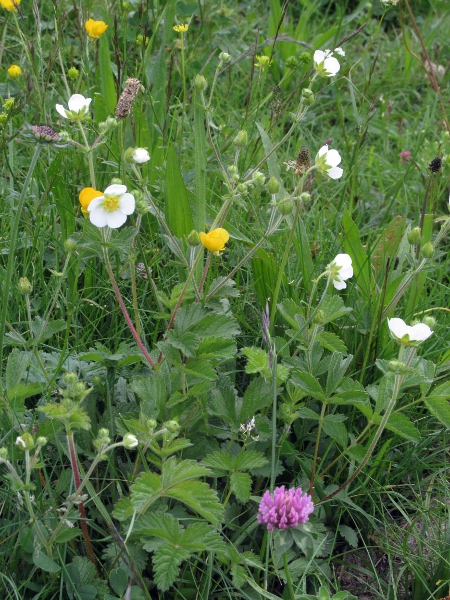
column 319, row 317
column 70, row 378
column 3, row 118
column 430, row 321
column 428, row 250
column 224, row 57
column 232, row 169
column 96, row 380
column 200, row 83
column 70, row 245
column 235, row 177
column 141, row 40
column 414, row 236
column 110, row 123
column 41, row 441
column 258, row 178
column 25, row 441
column 8, row 104
column 103, row 432
column 130, row 441
column 396, row 366
column 24, row 286
column 307, row 93
column 273, row 186
column 3, row 453
column 142, row 206
column 292, row 62
column 172, row 426
column 79, row 387
column 242, row 188
column 116, row 181
column 73, row 73
column 193, row 238
column 241, row 138
column 136, row 156
column 151, row 424
column 305, row 58
column 286, row 207
column 305, row 197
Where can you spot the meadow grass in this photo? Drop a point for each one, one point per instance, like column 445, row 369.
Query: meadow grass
column 152, row 388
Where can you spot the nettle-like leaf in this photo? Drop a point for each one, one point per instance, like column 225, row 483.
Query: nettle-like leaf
column 241, row 484
column 333, row 308
column 309, row 384
column 166, row 562
column 331, row 342
column 258, row 362
column 179, row 480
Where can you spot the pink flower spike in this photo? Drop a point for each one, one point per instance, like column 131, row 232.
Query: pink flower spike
column 405, row 156
column 287, row 508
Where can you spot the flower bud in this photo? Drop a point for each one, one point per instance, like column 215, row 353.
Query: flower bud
column 3, row 453
column 305, row 197
column 70, row 245
column 41, row 441
column 241, row 138
column 200, row 83
column 141, row 40
column 73, row 73
column 116, row 181
column 3, row 118
column 193, row 238
column 224, row 57
column 414, row 236
column 235, row 177
column 151, row 424
column 273, row 186
column 307, row 93
column 232, row 169
column 305, row 58
column 96, row 380
column 319, row 317
column 430, row 321
column 8, row 104
column 70, row 378
column 292, row 62
column 142, row 206
column 172, row 426
column 130, row 441
column 79, row 387
column 428, row 250
column 136, row 156
column 242, row 188
column 286, row 207
column 396, row 366
column 258, row 178
column 25, row 441
column 110, row 123
column 24, row 286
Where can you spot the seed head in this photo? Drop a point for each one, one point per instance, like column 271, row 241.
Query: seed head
column 132, row 87
column 435, row 165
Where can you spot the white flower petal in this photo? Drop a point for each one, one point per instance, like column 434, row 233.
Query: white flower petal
column 319, row 56
column 339, row 285
column 77, row 102
column 331, row 66
column 62, row 111
column 333, row 158
column 343, row 260
column 397, row 327
column 141, row 155
column 99, row 217
column 323, row 150
column 420, row 332
column 115, row 219
column 95, row 203
column 115, row 189
column 127, row 204
column 335, row 172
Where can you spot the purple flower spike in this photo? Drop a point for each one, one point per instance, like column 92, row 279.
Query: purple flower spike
column 287, row 508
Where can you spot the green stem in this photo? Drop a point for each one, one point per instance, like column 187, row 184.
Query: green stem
column 40, row 103
column 28, row 499
column 274, row 417
column 316, row 448
column 89, row 155
column 288, row 577
column 12, row 250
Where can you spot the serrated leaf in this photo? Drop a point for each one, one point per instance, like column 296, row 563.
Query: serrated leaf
column 248, row 460
column 198, row 367
column 221, row 461
column 187, row 342
column 308, row 383
column 439, row 407
column 306, row 413
column 336, row 430
column 257, row 361
column 337, row 368
column 216, row 348
column 199, row 497
column 402, row 426
column 201, row 536
column 258, row 395
column 166, row 562
column 381, row 393
column 290, row 310
column 152, row 392
column 331, row 342
column 18, row 362
column 223, row 402
column 349, row 535
column 240, row 484
column 227, row 288
column 123, row 509
column 333, row 308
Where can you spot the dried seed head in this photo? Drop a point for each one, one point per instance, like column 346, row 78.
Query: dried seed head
column 303, row 161
column 132, row 87
column 435, row 165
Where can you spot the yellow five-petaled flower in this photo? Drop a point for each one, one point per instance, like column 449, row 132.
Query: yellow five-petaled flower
column 215, row 240
column 95, row 28
column 9, row 4
column 181, row 28
column 14, row 71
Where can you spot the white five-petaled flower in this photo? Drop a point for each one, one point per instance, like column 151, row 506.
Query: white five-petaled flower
column 340, row 270
column 404, row 333
column 112, row 208
column 325, row 63
column 339, row 51
column 327, row 162
column 130, row 441
column 141, row 155
column 78, row 107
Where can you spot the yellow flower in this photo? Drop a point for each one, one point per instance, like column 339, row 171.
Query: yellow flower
column 262, row 61
column 86, row 196
column 9, row 4
column 215, row 240
column 179, row 28
column 14, row 71
column 94, row 28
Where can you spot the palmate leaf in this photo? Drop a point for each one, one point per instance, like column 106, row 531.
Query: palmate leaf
column 200, row 536
column 166, row 562
column 199, row 497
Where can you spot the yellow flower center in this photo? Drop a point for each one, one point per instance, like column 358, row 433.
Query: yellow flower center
column 111, row 203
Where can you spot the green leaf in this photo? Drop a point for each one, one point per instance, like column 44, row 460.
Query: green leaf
column 307, row 382
column 151, row 390
column 240, row 484
column 439, row 407
column 16, row 367
column 258, row 395
column 402, row 426
column 381, row 393
column 290, row 311
column 303, row 250
column 66, row 535
column 331, row 342
column 201, row 536
column 336, row 430
column 337, row 367
column 217, row 348
column 107, row 86
column 265, row 273
column 223, row 401
column 333, row 308
column 248, row 460
column 349, row 535
column 199, row 497
column 166, row 562
column 354, row 247
column 20, row 392
column 44, row 562
column 257, row 361
column 177, row 210
column 220, row 461
column 118, row 580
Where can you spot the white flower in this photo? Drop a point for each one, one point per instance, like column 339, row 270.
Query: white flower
column 340, row 270
column 327, row 162
column 112, row 208
column 130, row 441
column 405, row 333
column 326, row 65
column 140, row 155
column 78, row 107
column 339, row 51
column 20, row 442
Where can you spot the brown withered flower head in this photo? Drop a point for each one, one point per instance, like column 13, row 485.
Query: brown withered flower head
column 132, row 87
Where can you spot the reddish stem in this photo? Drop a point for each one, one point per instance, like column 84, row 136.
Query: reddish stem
column 76, row 476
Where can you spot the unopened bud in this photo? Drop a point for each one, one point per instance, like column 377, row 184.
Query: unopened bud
column 3, row 453
column 25, row 441
column 24, row 286
column 305, row 58
column 273, row 186
column 319, row 317
column 130, row 441
column 73, row 73
column 116, row 181
column 200, row 83
column 8, row 104
column 41, row 441
column 305, row 197
column 110, row 123
column 172, row 426
column 224, row 57
column 430, row 321
column 428, row 250
column 232, row 169
column 70, row 378
column 136, row 156
column 242, row 188
column 258, row 178
column 241, row 138
column 396, row 366
column 292, row 62
column 235, row 177
column 96, row 380
column 193, row 238
column 414, row 236
column 151, row 424
column 70, row 245
column 79, row 387
column 286, row 207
